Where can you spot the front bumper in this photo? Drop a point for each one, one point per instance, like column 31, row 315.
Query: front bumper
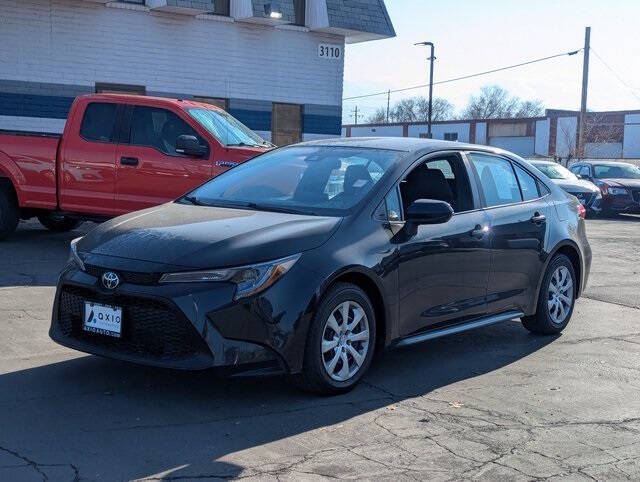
column 622, row 204
column 186, row 326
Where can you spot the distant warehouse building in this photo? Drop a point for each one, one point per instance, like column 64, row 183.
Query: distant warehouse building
column 277, row 65
column 613, row 134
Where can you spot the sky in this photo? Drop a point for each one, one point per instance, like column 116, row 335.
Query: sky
column 473, row 36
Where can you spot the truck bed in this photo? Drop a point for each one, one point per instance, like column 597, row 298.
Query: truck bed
column 30, row 159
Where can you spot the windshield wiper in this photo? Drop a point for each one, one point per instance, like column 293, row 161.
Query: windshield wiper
column 242, row 144
column 280, row 209
column 194, row 200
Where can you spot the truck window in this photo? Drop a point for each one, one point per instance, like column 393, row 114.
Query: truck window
column 98, row 122
column 159, row 128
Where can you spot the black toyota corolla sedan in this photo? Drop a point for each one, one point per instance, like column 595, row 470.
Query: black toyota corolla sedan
column 309, row 259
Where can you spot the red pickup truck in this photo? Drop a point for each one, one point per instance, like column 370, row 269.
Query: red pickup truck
column 118, row 153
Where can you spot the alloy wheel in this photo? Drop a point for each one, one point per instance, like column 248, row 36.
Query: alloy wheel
column 560, row 295
column 345, row 341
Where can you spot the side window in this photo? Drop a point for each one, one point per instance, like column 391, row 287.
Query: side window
column 98, row 123
column 159, row 128
column 585, row 171
column 497, row 180
column 528, row 184
column 575, row 169
column 394, row 211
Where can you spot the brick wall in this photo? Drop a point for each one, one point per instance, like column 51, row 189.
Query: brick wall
column 50, row 44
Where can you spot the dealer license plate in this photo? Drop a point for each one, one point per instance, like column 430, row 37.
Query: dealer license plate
column 102, row 319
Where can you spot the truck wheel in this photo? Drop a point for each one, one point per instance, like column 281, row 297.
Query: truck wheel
column 58, row 222
column 340, row 343
column 556, row 299
column 9, row 210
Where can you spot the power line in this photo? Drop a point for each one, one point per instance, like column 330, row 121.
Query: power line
column 616, row 75
column 386, row 92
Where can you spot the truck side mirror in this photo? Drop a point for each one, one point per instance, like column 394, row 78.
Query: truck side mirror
column 190, row 146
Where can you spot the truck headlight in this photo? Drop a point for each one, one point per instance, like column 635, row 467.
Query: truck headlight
column 74, row 257
column 249, row 280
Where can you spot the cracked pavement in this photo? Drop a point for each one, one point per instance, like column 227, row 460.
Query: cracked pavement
column 493, row 404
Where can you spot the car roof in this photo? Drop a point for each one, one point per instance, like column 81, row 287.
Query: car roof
column 405, row 144
column 605, row 163
column 546, row 163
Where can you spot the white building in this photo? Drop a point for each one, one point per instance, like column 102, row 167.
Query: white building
column 610, row 135
column 275, row 65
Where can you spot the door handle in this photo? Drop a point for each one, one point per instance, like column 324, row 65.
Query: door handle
column 538, row 218
column 129, row 161
column 479, row 231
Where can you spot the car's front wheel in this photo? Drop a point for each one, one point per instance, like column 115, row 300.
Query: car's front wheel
column 556, row 300
column 341, row 341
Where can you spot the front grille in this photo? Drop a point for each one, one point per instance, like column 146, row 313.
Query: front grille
column 584, row 197
column 127, row 276
column 150, row 329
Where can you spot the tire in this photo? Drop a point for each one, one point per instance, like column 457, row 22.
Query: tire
column 553, row 311
column 57, row 222
column 315, row 376
column 9, row 210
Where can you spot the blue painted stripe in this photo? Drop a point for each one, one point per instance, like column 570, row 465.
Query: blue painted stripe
column 253, row 119
column 29, row 105
column 322, row 124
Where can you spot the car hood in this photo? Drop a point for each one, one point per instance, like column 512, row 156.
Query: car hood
column 634, row 183
column 207, row 237
column 576, row 185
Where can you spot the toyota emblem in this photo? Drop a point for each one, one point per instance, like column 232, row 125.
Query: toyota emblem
column 110, row 280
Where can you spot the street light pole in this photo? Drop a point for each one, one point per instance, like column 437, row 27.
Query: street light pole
column 431, row 59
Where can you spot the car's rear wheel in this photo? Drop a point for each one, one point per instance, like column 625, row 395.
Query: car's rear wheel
column 340, row 343
column 9, row 210
column 58, row 222
column 556, row 300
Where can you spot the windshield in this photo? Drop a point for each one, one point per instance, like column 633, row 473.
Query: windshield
column 616, row 171
column 307, row 180
column 555, row 171
column 226, row 128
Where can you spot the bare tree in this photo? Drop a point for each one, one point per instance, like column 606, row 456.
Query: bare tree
column 414, row 109
column 599, row 130
column 495, row 102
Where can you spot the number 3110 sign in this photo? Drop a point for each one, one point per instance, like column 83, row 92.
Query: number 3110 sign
column 329, row 51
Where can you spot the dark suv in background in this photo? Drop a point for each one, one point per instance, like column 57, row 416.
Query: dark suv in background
column 308, row 259
column 619, row 183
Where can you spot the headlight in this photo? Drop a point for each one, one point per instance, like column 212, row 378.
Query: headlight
column 617, row 191
column 249, row 280
column 74, row 257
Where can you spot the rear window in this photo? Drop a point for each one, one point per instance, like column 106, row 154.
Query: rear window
column 98, row 123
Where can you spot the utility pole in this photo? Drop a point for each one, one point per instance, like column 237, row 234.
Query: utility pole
column 431, row 59
column 388, row 103
column 355, row 115
column 585, row 83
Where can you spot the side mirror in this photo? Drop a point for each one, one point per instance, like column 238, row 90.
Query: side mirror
column 189, row 146
column 429, row 211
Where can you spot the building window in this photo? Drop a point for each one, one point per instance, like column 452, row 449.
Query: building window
column 286, row 124
column 220, row 102
column 106, row 88
column 221, row 7
column 450, row 136
column 299, row 7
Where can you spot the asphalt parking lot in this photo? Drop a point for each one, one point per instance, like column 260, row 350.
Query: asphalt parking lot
column 495, row 404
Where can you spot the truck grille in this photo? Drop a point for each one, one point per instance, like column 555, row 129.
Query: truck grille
column 150, row 329
column 584, row 197
column 127, row 276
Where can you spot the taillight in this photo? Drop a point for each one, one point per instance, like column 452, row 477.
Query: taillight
column 582, row 211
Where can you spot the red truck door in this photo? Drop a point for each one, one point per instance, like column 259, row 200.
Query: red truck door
column 149, row 170
column 87, row 178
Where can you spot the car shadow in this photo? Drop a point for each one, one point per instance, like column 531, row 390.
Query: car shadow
column 116, row 421
column 34, row 256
